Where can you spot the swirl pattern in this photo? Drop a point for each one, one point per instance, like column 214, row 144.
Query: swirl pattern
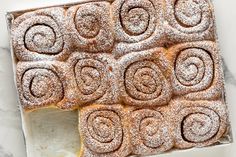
column 144, row 83
column 137, row 19
column 92, row 73
column 39, row 85
column 90, row 27
column 196, row 70
column 191, row 66
column 192, row 19
column 200, row 127
column 104, row 131
column 149, row 132
column 37, row 35
column 199, row 123
column 137, row 24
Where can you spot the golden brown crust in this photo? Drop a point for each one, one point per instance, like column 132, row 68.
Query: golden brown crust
column 138, row 25
column 104, row 131
column 42, row 84
column 88, row 27
column 151, row 131
column 38, row 35
column 189, row 21
column 196, row 70
column 95, row 77
column 198, row 123
column 144, row 78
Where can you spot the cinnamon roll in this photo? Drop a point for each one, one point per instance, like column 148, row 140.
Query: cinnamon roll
column 38, row 35
column 104, row 131
column 44, row 84
column 137, row 25
column 197, row 72
column 144, row 78
column 198, row 123
column 89, row 27
column 95, row 77
column 151, row 131
column 189, row 20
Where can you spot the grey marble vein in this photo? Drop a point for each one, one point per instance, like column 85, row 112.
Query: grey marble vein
column 229, row 77
column 4, row 153
column 5, row 48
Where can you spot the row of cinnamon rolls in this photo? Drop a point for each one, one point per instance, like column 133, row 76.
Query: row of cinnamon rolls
column 146, row 78
column 121, row 131
column 116, row 27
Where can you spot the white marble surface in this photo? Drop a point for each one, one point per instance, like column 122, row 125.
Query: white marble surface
column 11, row 137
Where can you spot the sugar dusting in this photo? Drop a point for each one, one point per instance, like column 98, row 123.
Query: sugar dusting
column 110, row 53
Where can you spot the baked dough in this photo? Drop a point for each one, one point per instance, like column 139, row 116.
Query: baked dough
column 145, row 75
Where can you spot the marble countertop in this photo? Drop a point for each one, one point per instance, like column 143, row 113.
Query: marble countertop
column 11, row 136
